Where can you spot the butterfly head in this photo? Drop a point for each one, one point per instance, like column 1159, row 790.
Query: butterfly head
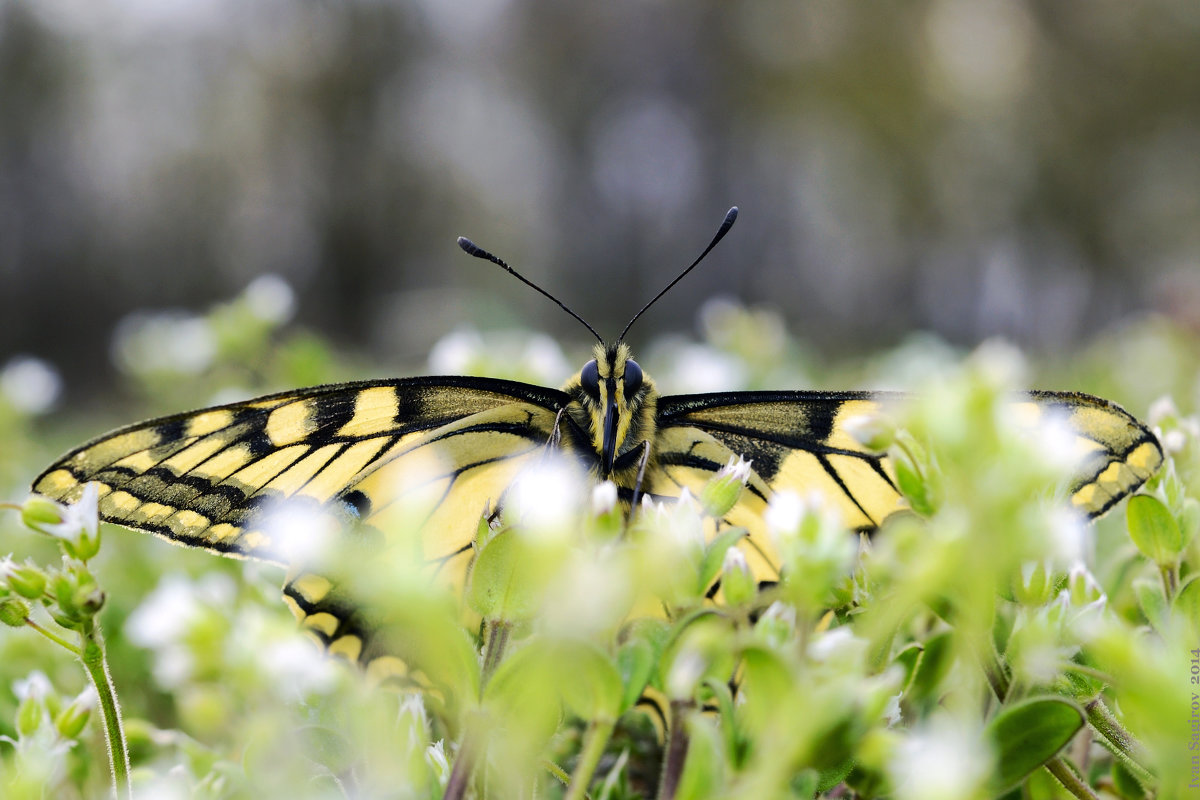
column 614, row 401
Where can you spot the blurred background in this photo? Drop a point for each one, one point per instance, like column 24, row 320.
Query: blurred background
column 967, row 168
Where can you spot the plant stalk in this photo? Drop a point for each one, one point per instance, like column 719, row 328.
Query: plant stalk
column 677, row 747
column 92, row 655
column 1069, row 780
column 1118, row 741
column 595, row 740
column 493, row 651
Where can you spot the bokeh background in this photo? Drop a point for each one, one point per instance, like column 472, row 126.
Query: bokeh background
column 967, row 168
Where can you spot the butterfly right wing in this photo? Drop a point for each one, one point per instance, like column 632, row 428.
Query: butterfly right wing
column 799, row 441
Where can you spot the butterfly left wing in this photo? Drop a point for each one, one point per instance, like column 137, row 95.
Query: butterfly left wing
column 213, row 478
column 800, row 441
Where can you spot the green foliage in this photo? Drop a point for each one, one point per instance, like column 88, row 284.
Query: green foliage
column 955, row 654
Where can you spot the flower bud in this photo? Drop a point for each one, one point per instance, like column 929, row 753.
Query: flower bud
column 72, row 719
column 30, row 713
column 39, row 512
column 78, row 596
column 27, row 580
column 737, row 583
column 77, row 526
column 1083, row 587
column 13, row 611
column 723, row 490
column 1036, row 584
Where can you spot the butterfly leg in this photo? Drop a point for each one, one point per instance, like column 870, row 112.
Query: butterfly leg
column 641, row 476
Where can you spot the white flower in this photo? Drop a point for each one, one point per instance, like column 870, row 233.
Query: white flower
column 738, row 469
column 944, row 760
column 435, row 757
column 270, row 298
column 29, row 384
column 547, row 495
column 35, row 686
column 604, row 497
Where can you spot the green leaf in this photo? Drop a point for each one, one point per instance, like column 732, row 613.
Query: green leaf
column 590, row 684
column 637, row 658
column 1027, row 735
column 936, row 661
column 714, row 554
column 1154, row 529
column 504, row 581
column 909, row 659
column 1150, row 597
column 1187, row 603
column 705, row 758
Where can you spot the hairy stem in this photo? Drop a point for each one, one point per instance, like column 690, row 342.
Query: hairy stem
column 1119, row 741
column 94, row 661
column 58, row 640
column 493, row 651
column 1063, row 773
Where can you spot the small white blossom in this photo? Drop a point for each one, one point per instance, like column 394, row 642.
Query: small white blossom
column 1162, row 408
column 270, row 298
column 738, row 469
column 547, row 495
column 79, row 522
column 604, row 497
column 35, row 686
column 686, row 671
column 30, row 384
column 784, row 512
column 435, row 757
column 942, row 761
column 300, row 532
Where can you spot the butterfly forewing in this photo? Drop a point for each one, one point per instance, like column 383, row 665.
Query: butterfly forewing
column 205, row 478
column 799, row 441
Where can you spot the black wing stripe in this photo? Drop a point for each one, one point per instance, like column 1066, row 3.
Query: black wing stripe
column 836, row 477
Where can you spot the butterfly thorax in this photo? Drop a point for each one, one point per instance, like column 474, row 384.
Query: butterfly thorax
column 611, row 413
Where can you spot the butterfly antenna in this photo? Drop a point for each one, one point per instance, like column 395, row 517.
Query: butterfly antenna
column 472, row 249
column 730, row 218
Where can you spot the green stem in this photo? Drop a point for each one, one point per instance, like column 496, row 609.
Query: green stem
column 595, row 740
column 558, row 772
column 1170, row 579
column 1070, row 781
column 92, row 656
column 464, row 765
column 493, row 651
column 1083, row 669
column 58, row 640
column 677, row 747
column 1119, row 741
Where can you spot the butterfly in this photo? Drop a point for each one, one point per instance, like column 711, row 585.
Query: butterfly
column 351, row 451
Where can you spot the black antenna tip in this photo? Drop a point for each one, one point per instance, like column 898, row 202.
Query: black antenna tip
column 730, row 216
column 469, row 247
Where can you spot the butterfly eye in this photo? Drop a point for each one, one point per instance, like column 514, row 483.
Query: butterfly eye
column 590, row 378
column 633, row 377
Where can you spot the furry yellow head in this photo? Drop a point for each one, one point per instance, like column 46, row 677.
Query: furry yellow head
column 612, row 411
